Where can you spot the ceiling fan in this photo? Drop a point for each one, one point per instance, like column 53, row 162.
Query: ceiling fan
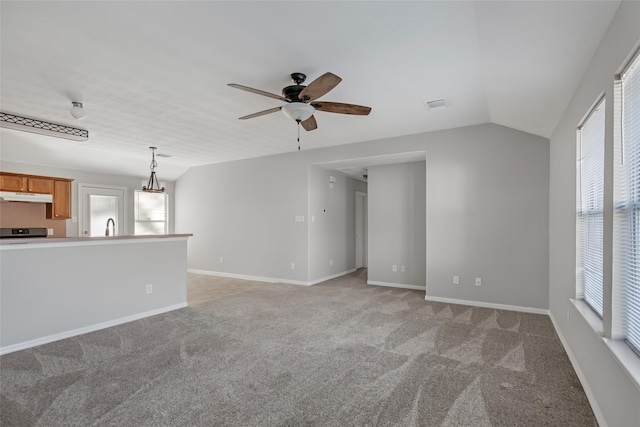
column 301, row 101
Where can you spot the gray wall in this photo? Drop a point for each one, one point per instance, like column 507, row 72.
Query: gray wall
column 487, row 215
column 131, row 183
column 80, row 285
column 331, row 223
column 244, row 212
column 612, row 392
column 397, row 224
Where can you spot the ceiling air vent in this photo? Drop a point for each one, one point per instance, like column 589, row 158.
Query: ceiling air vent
column 436, row 104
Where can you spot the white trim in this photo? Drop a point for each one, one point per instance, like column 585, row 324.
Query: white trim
column 247, row 277
column 333, row 276
column 583, row 380
column 489, row 305
column 86, row 329
column 396, row 285
column 268, row 279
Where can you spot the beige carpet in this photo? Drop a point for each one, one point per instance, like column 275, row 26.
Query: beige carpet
column 340, row 353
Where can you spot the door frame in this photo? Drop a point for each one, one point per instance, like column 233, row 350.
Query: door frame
column 361, row 217
column 81, row 205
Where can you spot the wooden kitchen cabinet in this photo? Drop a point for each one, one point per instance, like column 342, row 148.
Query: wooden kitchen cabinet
column 39, row 185
column 60, row 188
column 13, row 182
column 61, row 206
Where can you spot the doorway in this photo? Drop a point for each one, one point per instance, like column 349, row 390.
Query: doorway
column 361, row 230
column 97, row 205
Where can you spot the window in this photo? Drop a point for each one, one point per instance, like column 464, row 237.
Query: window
column 626, row 255
column 151, row 213
column 590, row 204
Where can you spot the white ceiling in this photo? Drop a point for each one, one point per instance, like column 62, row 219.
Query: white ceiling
column 156, row 73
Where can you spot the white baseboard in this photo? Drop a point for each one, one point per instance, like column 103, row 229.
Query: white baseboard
column 333, row 276
column 84, row 330
column 267, row 279
column 396, row 285
column 248, row 277
column 583, row 379
column 489, row 305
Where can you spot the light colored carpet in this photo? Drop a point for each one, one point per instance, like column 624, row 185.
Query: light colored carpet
column 340, row 353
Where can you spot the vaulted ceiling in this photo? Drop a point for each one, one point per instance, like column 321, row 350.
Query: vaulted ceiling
column 156, row 73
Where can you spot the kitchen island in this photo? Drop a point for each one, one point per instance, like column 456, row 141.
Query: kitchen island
column 55, row 288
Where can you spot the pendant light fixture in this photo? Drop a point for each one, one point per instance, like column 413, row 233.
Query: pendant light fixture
column 153, row 186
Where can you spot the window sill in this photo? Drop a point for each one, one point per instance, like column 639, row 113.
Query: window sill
column 627, row 358
column 589, row 316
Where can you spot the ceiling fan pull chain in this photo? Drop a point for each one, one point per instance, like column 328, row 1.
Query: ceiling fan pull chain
column 298, row 134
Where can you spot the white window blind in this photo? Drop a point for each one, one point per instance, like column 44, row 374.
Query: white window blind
column 627, row 202
column 151, row 213
column 590, row 200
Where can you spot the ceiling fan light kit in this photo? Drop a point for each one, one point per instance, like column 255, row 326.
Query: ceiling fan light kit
column 298, row 111
column 300, row 105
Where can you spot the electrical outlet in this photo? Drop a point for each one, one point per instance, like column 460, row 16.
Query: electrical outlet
column 49, row 231
column 402, row 269
column 330, row 262
column 456, row 280
column 221, row 260
column 293, row 265
column 478, row 281
column 394, row 268
column 149, row 288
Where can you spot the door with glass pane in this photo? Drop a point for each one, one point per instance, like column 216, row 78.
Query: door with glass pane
column 99, row 206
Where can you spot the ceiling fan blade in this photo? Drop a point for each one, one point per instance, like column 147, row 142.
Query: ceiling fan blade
column 319, row 87
column 260, row 113
column 339, row 107
column 258, row 91
column 309, row 124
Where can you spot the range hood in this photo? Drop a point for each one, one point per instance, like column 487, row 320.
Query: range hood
column 10, row 196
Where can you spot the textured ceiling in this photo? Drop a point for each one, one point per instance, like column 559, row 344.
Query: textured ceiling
column 156, row 73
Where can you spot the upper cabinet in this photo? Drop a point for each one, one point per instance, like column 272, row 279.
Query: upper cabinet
column 60, row 188
column 12, row 182
column 61, row 206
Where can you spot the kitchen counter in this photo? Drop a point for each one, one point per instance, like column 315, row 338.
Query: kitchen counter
column 62, row 241
column 55, row 288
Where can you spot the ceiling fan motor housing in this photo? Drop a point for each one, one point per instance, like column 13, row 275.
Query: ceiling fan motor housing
column 292, row 92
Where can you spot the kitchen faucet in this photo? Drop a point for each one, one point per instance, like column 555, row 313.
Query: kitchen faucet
column 113, row 227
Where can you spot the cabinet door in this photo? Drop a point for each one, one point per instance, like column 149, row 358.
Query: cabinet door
column 40, row 185
column 12, row 183
column 61, row 206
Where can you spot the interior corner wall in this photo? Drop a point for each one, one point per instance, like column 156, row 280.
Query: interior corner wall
column 331, row 223
column 397, row 224
column 612, row 392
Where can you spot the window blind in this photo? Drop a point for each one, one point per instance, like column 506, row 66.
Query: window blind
column 590, row 193
column 627, row 203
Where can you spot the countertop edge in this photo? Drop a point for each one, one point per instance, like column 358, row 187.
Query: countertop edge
column 65, row 241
